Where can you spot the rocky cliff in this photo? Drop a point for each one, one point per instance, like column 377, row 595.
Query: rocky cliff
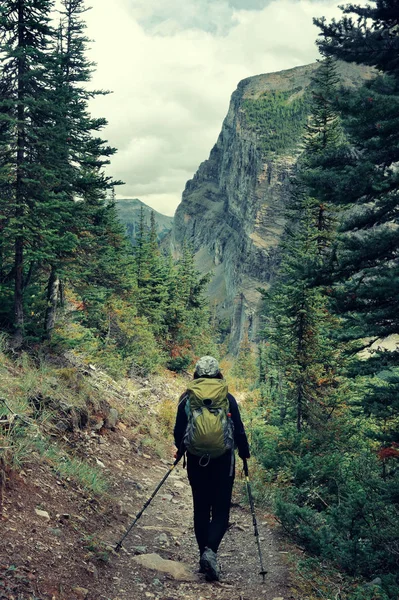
column 232, row 211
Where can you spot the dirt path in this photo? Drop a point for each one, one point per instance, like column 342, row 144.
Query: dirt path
column 54, row 535
column 166, row 529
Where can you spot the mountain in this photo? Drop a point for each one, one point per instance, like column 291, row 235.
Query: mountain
column 232, row 211
column 129, row 214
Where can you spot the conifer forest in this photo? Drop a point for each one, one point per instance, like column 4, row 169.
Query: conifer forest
column 321, row 379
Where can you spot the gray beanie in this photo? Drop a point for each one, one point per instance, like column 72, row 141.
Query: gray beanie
column 207, row 366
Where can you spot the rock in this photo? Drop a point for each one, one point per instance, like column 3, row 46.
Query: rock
column 177, row 570
column 234, row 205
column 96, row 423
column 100, row 463
column 125, row 443
column 81, row 592
column 278, row 598
column 162, row 540
column 92, row 570
column 171, row 530
column 140, row 549
column 42, row 513
column 167, row 497
column 56, row 532
column 376, row 581
column 179, row 485
column 112, row 419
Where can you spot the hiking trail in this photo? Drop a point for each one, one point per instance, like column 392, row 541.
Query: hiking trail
column 58, row 538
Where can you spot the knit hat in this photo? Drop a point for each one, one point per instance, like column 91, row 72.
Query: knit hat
column 207, row 366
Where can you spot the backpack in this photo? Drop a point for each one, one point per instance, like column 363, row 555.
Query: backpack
column 210, row 430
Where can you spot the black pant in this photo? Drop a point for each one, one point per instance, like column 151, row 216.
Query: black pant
column 212, row 486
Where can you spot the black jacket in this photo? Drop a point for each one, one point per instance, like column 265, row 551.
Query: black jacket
column 240, row 437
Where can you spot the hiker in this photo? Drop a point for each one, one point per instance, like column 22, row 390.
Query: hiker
column 209, row 427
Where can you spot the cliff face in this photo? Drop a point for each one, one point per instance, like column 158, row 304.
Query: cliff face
column 232, row 210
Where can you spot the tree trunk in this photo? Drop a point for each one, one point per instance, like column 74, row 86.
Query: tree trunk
column 53, row 288
column 19, row 198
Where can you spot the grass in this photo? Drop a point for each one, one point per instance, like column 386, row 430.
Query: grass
column 26, row 432
column 24, row 441
column 97, row 549
column 34, row 393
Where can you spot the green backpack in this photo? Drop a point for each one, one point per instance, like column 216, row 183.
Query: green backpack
column 209, row 429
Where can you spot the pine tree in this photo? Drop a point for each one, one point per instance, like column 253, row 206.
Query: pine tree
column 25, row 34
column 300, row 321
column 151, row 272
column 188, row 318
column 91, row 251
column 367, row 287
column 324, row 147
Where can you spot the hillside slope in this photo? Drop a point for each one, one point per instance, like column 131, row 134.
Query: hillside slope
column 59, row 524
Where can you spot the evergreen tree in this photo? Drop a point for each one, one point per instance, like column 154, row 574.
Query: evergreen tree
column 152, row 279
column 25, row 34
column 53, row 189
column 324, row 147
column 188, row 318
column 300, row 322
column 92, row 251
column 367, row 287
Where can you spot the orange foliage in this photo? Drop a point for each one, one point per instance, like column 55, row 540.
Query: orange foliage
column 385, row 453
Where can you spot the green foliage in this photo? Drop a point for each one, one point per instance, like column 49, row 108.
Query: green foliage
column 245, row 366
column 326, row 426
column 188, row 321
column 67, row 271
column 277, row 118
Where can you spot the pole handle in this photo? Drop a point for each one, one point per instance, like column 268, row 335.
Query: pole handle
column 245, row 464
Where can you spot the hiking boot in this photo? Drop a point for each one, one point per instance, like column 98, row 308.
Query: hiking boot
column 209, row 565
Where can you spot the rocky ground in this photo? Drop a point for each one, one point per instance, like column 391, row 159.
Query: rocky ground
column 56, row 539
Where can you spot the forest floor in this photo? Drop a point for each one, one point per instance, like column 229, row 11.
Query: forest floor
column 57, row 539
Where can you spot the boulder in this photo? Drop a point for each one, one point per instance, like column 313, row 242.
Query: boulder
column 177, row 570
column 111, row 419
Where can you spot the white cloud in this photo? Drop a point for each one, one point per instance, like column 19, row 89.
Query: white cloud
column 171, row 91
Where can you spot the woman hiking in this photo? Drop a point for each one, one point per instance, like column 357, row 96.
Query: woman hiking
column 209, row 427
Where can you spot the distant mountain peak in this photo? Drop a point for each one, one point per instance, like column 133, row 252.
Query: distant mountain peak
column 129, row 210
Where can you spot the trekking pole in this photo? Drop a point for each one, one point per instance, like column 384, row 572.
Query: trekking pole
column 119, row 544
column 251, row 502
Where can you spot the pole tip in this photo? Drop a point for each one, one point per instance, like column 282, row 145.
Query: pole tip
column 263, row 573
column 118, row 547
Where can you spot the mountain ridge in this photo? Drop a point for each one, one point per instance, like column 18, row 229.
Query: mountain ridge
column 232, row 210
column 129, row 210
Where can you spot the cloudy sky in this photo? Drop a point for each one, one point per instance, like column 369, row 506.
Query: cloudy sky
column 172, row 66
